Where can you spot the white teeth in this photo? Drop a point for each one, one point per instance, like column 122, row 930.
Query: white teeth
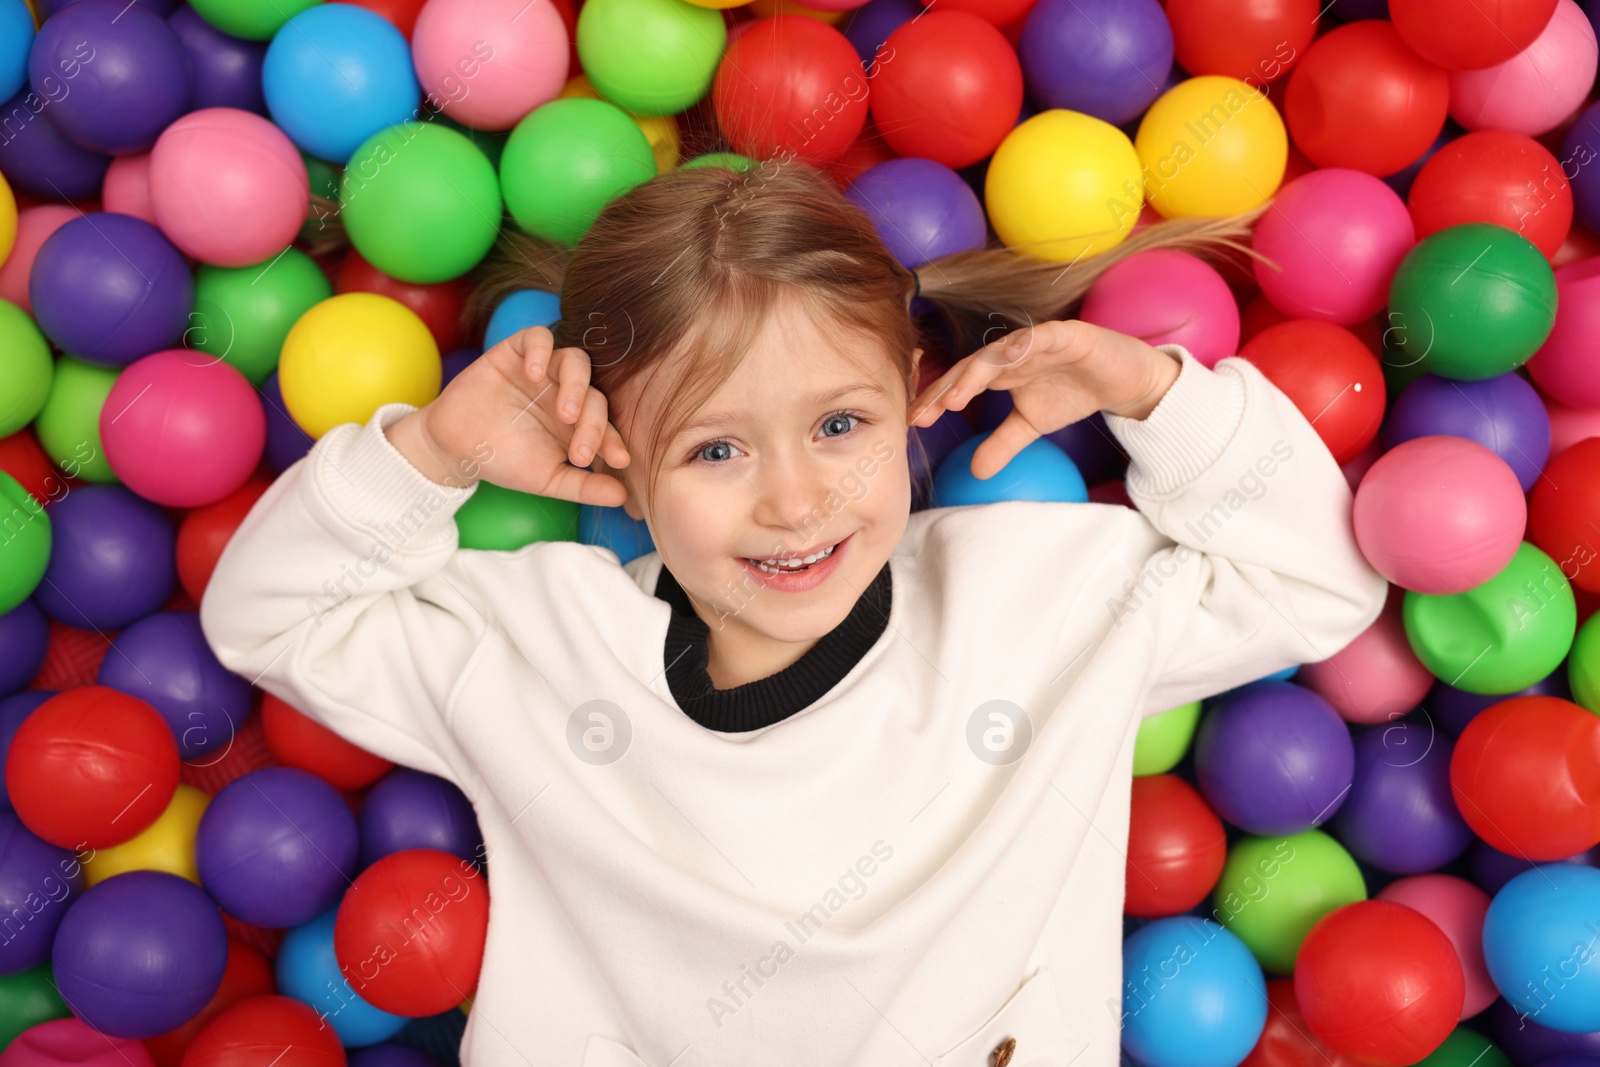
column 777, row 566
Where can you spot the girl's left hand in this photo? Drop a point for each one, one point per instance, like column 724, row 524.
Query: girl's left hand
column 1058, row 373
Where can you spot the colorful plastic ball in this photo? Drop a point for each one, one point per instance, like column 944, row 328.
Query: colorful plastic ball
column 38, row 159
column 1457, row 907
column 1466, row 1048
column 1040, row 471
column 308, row 970
column 8, row 219
column 1176, row 847
column 1526, row 776
column 111, row 561
column 125, row 73
column 1453, row 708
column 1273, row 889
column 1257, row 42
column 277, row 847
column 1401, row 180
column 297, row 740
column 110, row 288
column 1583, row 666
column 1503, row 414
column 204, row 533
column 1106, row 58
column 792, row 87
column 1461, row 35
column 1567, row 365
column 497, row 519
column 1534, row 90
column 1375, row 678
column 1472, row 301
column 1062, row 186
column 247, row 974
column 27, row 552
column 439, row 305
column 1192, row 995
column 1492, row 869
column 165, row 660
column 350, row 355
column 24, row 640
column 34, row 225
column 16, row 37
column 1211, row 146
column 393, row 1054
column 1399, row 816
column 411, row 809
column 227, row 70
column 72, row 1041
column 1167, row 297
column 253, row 20
column 39, row 882
column 921, row 209
column 653, row 57
column 520, row 310
column 613, row 529
column 242, row 314
column 1380, row 982
column 1529, row 1043
column 1499, row 177
column 1439, row 514
column 25, row 368
column 1164, row 739
column 1286, row 1041
column 487, row 63
column 286, row 441
column 1542, row 925
column 68, row 426
column 140, row 953
column 241, row 1034
column 1334, row 237
column 420, row 976
column 126, row 190
column 1359, row 79
column 566, row 161
column 26, row 1000
column 165, row 845
column 1332, row 377
column 1580, row 148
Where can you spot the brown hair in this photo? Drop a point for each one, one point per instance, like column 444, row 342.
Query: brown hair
column 636, row 288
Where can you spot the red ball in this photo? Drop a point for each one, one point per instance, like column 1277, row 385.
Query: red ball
column 999, row 12
column 411, row 973
column 1334, row 379
column 1526, row 776
column 1361, row 99
column 248, row 974
column 1379, row 982
column 947, row 86
column 1176, row 847
column 266, row 1030
column 1564, row 513
column 297, row 740
column 1256, row 42
column 1469, row 34
column 205, row 532
column 401, row 14
column 23, row 459
column 91, row 767
column 1286, row 1041
column 1498, row 177
column 440, row 306
column 791, row 86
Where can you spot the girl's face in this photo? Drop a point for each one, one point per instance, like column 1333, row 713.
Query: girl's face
column 802, row 453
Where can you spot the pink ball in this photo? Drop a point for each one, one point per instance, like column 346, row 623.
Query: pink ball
column 1568, row 426
column 228, row 187
column 126, row 189
column 182, row 428
column 34, row 225
column 1535, row 89
column 1337, row 236
column 1457, row 907
column 70, row 1042
column 528, row 50
column 1167, row 297
column 1376, row 678
column 1439, row 514
column 1567, row 367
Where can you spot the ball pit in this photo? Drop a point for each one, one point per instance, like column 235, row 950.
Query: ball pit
column 1341, row 386
column 1106, row 58
column 1531, row 92
column 1210, row 1014
column 1503, row 414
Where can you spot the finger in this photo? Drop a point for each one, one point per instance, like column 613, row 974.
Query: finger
column 1055, row 337
column 590, row 429
column 585, row 487
column 932, row 401
column 534, row 343
column 614, row 449
column 571, row 370
column 1002, row 445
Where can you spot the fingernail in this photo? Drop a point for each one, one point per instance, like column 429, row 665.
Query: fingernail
column 569, row 408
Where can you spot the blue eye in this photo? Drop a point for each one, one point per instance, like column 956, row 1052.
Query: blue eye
column 700, row 453
column 837, row 417
column 842, row 421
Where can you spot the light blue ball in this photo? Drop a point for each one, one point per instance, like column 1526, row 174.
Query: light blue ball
column 1541, row 941
column 612, row 528
column 1192, row 995
column 307, row 970
column 1040, row 471
column 16, row 37
column 523, row 308
column 336, row 74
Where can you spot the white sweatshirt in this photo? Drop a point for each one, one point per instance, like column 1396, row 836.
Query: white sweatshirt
column 923, row 863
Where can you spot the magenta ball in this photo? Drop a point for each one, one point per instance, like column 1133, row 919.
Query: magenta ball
column 1439, row 514
column 71, row 1041
column 1534, row 90
column 182, row 428
column 1567, row 366
column 487, row 63
column 126, row 189
column 1336, row 236
column 1167, row 297
column 1457, row 907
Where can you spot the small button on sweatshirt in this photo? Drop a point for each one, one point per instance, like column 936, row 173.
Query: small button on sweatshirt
column 922, row 861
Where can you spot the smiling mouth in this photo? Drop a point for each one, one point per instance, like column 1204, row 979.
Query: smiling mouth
column 792, row 564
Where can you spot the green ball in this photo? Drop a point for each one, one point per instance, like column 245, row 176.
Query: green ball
column 420, row 202
column 254, row 20
column 242, row 314
column 1465, row 1048
column 566, row 160
column 732, row 160
column 68, row 426
column 28, row 998
column 25, row 549
column 1273, row 889
column 503, row 520
column 1498, row 637
column 1583, row 665
column 25, row 369
column 1472, row 302
column 1164, row 738
column 650, row 57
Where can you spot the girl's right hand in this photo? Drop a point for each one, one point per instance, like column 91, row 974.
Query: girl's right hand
column 515, row 415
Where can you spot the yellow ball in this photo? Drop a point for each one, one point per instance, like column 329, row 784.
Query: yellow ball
column 769, row 8
column 350, row 355
column 8, row 220
column 660, row 130
column 166, row 844
column 1063, row 185
column 1212, row 146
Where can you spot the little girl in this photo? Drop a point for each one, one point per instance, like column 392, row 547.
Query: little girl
column 822, row 781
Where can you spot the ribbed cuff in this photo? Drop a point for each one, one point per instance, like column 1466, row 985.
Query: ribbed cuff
column 365, row 480
column 1187, row 431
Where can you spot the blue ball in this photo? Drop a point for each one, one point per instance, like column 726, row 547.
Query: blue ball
column 335, row 75
column 523, row 308
column 1192, row 995
column 1541, row 942
column 612, row 528
column 307, row 970
column 1040, row 471
column 16, row 37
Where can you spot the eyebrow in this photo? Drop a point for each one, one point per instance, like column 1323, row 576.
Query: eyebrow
column 817, row 400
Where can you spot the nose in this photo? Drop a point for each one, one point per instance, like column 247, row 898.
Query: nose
column 792, row 489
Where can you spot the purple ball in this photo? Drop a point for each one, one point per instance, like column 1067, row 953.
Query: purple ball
column 390, row 1054
column 1274, row 758
column 1503, row 414
column 1528, row 1043
column 164, row 659
column 1492, row 869
column 411, row 809
column 140, row 953
column 946, row 434
column 38, row 883
column 13, row 710
column 1573, row 1059
column 115, row 73
column 1088, row 441
column 110, row 288
column 111, row 558
column 277, row 847
column 1580, row 161
column 1106, row 58
column 868, row 26
column 227, row 70
column 456, row 362
column 34, row 156
column 1355, row 10
column 287, row 443
column 47, row 8
column 1453, row 708
column 1400, row 816
column 921, row 209
column 24, row 640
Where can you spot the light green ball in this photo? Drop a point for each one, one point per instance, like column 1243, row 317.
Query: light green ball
column 25, row 369
column 68, row 426
column 650, row 57
column 1164, row 738
column 1583, row 665
column 566, row 160
column 242, row 314
column 504, row 520
column 1273, row 889
column 254, row 20
column 25, row 549
column 732, row 160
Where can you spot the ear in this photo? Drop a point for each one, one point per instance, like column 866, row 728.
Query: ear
column 630, row 505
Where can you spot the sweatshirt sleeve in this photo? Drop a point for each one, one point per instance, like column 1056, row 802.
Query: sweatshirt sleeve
column 1248, row 563
column 335, row 594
